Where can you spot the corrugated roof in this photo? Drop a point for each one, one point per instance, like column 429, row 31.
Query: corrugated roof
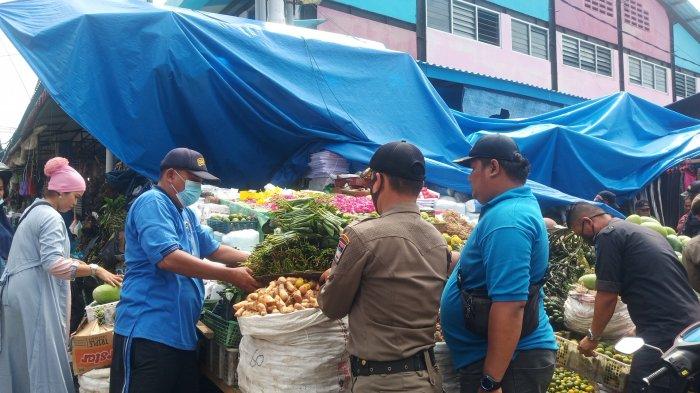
column 516, row 87
column 687, row 13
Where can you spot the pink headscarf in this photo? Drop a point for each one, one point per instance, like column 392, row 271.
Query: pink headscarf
column 63, row 178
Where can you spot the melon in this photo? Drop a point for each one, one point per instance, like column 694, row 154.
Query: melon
column 649, row 219
column 106, row 293
column 680, row 257
column 634, row 219
column 675, row 243
column 655, row 226
column 684, row 239
column 670, row 231
column 588, row 281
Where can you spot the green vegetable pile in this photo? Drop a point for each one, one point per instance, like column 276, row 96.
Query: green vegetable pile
column 306, row 233
column 569, row 258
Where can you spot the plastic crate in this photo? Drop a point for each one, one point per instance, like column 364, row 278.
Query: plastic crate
column 226, row 227
column 226, row 333
column 241, row 225
column 612, row 373
column 219, row 226
column 564, row 350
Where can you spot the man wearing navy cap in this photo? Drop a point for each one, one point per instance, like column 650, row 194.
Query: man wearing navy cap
column 155, row 336
column 492, row 311
column 387, row 275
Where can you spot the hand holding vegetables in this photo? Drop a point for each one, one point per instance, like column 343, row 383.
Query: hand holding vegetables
column 242, row 277
column 282, row 296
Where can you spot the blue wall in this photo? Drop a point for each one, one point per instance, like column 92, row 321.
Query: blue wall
column 404, row 10
column 686, row 48
column 536, row 8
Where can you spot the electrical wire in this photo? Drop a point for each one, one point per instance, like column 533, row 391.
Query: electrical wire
column 14, row 67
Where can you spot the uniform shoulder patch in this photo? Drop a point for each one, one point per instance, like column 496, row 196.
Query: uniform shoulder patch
column 342, row 244
column 608, row 229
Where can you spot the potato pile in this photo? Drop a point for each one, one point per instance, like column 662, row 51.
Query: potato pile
column 282, row 296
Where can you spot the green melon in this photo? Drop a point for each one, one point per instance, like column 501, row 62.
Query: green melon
column 655, row 226
column 675, row 243
column 670, row 231
column 684, row 239
column 634, row 219
column 649, row 219
column 106, row 293
column 588, row 281
column 680, row 257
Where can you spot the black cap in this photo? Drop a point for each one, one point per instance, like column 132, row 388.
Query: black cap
column 400, row 159
column 189, row 160
column 492, row 146
column 693, row 189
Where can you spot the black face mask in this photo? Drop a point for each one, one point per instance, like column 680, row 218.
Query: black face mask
column 375, row 195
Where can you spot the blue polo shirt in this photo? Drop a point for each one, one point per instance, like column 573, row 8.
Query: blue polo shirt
column 156, row 304
column 506, row 252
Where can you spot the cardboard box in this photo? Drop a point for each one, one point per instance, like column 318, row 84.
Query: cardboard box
column 91, row 347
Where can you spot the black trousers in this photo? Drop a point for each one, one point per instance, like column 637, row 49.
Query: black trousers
column 152, row 367
column 529, row 372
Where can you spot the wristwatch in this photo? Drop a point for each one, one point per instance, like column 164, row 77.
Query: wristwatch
column 489, row 384
column 591, row 337
column 93, row 269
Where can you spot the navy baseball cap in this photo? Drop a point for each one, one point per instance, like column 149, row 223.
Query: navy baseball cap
column 492, row 146
column 400, row 159
column 189, row 160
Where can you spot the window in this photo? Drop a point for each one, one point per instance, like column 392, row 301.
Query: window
column 475, row 22
column 529, row 39
column 587, row 56
column 604, row 7
column 635, row 15
column 684, row 85
column 647, row 74
column 439, row 14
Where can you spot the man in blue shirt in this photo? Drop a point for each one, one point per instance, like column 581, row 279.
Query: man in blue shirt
column 504, row 262
column 162, row 296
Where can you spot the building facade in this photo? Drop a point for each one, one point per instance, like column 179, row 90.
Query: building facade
column 580, row 48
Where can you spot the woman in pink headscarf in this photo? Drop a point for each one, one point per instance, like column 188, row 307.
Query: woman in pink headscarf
column 35, row 290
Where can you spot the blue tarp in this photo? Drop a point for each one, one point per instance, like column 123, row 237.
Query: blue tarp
column 258, row 98
column 619, row 143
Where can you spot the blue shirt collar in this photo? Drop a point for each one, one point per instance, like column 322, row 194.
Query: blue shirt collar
column 517, row 192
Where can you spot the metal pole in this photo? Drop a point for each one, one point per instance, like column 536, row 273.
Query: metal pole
column 289, row 6
column 109, row 161
column 275, row 11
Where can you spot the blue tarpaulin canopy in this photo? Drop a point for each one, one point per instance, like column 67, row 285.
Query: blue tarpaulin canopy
column 619, row 143
column 257, row 98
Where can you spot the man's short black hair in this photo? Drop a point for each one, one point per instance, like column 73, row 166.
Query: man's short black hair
column 404, row 186
column 517, row 169
column 579, row 210
column 695, row 207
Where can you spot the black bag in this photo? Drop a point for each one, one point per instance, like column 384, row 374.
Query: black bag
column 476, row 306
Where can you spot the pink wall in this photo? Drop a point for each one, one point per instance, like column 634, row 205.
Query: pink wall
column 649, row 94
column 392, row 37
column 658, row 33
column 500, row 61
column 582, row 22
column 583, row 83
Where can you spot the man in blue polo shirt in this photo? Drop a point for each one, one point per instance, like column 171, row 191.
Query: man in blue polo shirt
column 495, row 325
column 155, row 334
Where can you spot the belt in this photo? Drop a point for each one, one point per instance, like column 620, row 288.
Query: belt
column 365, row 368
